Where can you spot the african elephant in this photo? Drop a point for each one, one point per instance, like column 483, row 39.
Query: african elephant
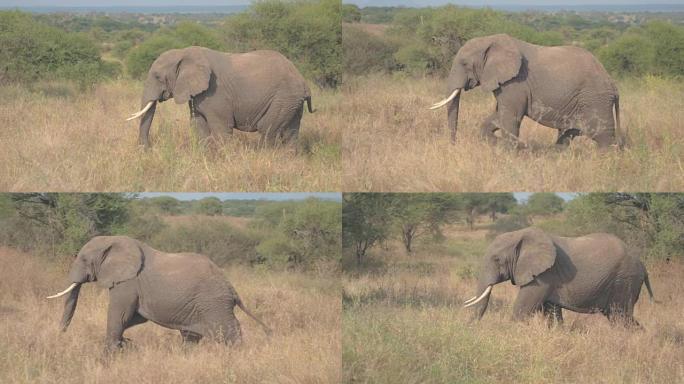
column 183, row 291
column 592, row 273
column 561, row 87
column 255, row 91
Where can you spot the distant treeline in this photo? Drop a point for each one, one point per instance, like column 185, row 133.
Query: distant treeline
column 652, row 223
column 424, row 40
column 91, row 48
column 295, row 234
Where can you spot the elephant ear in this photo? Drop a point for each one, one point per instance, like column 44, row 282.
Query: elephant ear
column 122, row 260
column 193, row 76
column 502, row 62
column 536, row 254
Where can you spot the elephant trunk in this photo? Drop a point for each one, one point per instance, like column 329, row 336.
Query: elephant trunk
column 70, row 307
column 146, row 123
column 453, row 116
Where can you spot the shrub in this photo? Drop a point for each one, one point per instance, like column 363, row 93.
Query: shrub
column 186, row 34
column 365, row 53
column 308, row 32
column 219, row 240
column 31, row 50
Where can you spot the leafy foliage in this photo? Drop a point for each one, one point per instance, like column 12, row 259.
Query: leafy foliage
column 308, row 32
column 31, row 50
column 298, row 234
column 184, row 35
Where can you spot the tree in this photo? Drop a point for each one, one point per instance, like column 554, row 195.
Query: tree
column 351, row 13
column 308, row 32
column 31, row 50
column 167, row 205
column 210, row 206
column 365, row 222
column 416, row 215
column 490, row 203
column 304, row 233
column 186, row 34
column 652, row 222
column 544, row 203
column 68, row 220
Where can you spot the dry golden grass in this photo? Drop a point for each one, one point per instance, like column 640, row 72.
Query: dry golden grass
column 392, row 142
column 60, row 140
column 303, row 310
column 404, row 323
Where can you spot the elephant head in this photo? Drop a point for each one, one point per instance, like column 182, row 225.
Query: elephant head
column 179, row 74
column 518, row 256
column 487, row 61
column 105, row 260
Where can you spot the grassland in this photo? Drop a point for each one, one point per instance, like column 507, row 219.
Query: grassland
column 303, row 310
column 403, row 323
column 392, row 142
column 55, row 138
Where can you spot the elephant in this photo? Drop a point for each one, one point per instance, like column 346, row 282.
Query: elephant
column 255, row 91
column 587, row 274
column 562, row 87
column 182, row 291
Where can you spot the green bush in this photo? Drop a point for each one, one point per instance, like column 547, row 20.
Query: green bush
column 219, row 240
column 308, row 32
column 186, row 34
column 630, row 54
column 31, row 50
column 366, row 53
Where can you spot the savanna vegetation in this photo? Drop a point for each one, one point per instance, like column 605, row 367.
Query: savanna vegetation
column 391, row 90
column 266, row 249
column 402, row 311
column 67, row 83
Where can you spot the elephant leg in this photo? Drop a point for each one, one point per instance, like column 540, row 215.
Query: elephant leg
column 121, row 314
column 278, row 118
column 487, row 129
column 291, row 131
column 530, row 299
column 201, row 127
column 511, row 107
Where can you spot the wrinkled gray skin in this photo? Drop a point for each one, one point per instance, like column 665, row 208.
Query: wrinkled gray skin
column 183, row 291
column 255, row 91
column 565, row 88
column 587, row 274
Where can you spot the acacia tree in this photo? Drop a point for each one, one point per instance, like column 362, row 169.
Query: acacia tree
column 474, row 204
column 365, row 221
column 417, row 215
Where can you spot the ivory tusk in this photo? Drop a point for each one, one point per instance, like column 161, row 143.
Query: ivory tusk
column 64, row 292
column 141, row 112
column 469, row 300
column 444, row 102
column 482, row 296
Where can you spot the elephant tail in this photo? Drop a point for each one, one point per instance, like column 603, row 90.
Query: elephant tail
column 651, row 298
column 308, row 104
column 267, row 330
column 621, row 138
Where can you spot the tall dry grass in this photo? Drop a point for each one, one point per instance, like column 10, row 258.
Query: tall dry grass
column 303, row 311
column 392, row 142
column 403, row 322
column 56, row 138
